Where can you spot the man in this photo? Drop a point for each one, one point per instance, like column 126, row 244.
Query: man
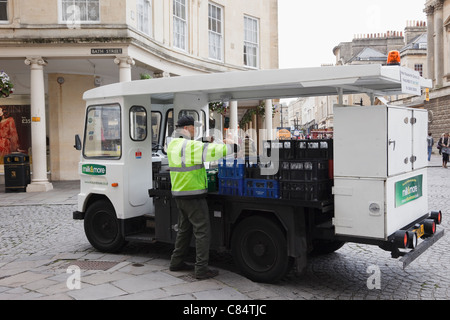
column 430, row 142
column 189, row 188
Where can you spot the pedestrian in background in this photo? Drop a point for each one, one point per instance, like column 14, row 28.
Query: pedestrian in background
column 430, row 141
column 444, row 143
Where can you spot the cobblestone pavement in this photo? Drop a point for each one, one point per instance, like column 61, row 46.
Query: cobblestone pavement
column 38, row 241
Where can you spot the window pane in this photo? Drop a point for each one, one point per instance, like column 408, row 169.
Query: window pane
column 156, row 127
column 251, row 42
column 103, row 132
column 179, row 24
column 215, row 32
column 3, row 10
column 80, row 10
column 138, row 123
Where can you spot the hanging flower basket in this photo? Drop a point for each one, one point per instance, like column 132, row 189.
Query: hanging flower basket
column 218, row 107
column 6, row 86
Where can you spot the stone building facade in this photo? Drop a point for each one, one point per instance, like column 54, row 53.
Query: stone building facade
column 54, row 50
column 438, row 60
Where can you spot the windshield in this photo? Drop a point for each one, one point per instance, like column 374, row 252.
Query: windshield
column 102, row 138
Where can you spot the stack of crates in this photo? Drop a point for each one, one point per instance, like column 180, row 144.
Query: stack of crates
column 231, row 177
column 237, row 178
column 305, row 168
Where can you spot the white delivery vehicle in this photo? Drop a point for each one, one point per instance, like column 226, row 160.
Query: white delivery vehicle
column 367, row 185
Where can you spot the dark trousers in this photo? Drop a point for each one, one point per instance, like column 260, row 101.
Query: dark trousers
column 193, row 219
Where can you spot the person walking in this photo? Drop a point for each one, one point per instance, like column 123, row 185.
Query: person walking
column 430, row 142
column 444, row 143
column 189, row 189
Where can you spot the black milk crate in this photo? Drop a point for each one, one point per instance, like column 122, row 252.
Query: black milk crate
column 162, row 181
column 306, row 190
column 299, row 149
column 286, row 149
column 304, row 170
column 255, row 171
column 314, row 149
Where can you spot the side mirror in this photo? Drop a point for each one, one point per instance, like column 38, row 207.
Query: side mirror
column 77, row 142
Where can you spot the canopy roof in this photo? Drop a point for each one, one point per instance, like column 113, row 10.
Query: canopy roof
column 266, row 84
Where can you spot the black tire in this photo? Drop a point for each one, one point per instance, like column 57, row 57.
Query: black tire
column 321, row 247
column 102, row 227
column 259, row 249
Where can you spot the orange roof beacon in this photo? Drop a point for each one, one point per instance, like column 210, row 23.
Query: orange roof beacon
column 393, row 58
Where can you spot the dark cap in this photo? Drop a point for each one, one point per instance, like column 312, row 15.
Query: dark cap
column 185, row 121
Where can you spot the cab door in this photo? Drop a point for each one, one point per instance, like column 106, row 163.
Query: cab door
column 138, row 150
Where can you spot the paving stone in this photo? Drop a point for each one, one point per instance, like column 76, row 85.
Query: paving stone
column 100, row 292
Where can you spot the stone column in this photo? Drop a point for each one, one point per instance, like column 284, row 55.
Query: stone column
column 39, row 182
column 268, row 120
column 233, row 118
column 125, row 63
column 439, row 42
column 430, row 42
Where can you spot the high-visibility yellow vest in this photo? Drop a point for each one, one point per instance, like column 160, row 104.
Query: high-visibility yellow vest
column 186, row 163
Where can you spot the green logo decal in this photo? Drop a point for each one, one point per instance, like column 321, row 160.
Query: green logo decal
column 408, row 190
column 93, row 170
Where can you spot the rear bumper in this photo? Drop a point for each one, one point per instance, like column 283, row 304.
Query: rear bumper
column 409, row 257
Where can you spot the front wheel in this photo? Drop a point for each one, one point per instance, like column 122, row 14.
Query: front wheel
column 102, row 227
column 259, row 249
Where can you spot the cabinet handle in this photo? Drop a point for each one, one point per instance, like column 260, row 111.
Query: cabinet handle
column 392, row 142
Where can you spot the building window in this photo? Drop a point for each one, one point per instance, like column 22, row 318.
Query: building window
column 144, row 16
column 3, row 10
column 215, row 27
column 419, row 68
column 251, row 42
column 81, row 11
column 180, row 24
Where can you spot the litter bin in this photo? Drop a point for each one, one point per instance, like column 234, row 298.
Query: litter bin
column 17, row 172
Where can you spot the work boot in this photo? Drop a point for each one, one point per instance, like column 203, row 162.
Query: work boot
column 207, row 275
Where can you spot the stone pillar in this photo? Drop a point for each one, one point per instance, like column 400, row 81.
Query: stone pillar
column 255, row 130
column 430, row 42
column 268, row 120
column 125, row 63
column 439, row 42
column 233, row 118
column 39, row 182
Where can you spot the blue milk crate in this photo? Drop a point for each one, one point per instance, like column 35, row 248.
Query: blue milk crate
column 231, row 169
column 262, row 188
column 231, row 186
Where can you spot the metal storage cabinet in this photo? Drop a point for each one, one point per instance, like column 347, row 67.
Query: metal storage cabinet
column 379, row 141
column 377, row 150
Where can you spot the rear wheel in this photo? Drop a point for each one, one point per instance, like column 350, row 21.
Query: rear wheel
column 326, row 246
column 260, row 250
column 102, row 227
